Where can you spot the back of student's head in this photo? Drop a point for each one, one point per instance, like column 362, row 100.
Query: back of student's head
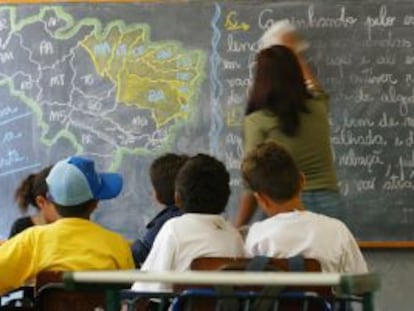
column 82, row 210
column 32, row 186
column 270, row 169
column 163, row 172
column 203, row 185
column 74, row 186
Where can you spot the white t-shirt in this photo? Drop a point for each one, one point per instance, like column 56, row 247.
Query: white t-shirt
column 309, row 234
column 187, row 237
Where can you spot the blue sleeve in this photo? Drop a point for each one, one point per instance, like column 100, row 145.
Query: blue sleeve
column 140, row 252
column 141, row 248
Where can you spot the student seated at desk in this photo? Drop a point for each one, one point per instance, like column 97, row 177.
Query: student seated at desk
column 202, row 191
column 72, row 242
column 163, row 172
column 270, row 172
column 32, row 192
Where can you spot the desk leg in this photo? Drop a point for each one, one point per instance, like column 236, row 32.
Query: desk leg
column 368, row 302
column 112, row 300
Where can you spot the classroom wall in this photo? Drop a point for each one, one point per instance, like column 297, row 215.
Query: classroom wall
column 396, row 268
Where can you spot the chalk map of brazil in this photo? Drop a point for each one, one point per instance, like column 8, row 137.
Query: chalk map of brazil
column 107, row 89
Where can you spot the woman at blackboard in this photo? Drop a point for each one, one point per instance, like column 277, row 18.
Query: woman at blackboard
column 32, row 192
column 287, row 105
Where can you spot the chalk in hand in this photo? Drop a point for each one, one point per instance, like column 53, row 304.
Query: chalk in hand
column 273, row 36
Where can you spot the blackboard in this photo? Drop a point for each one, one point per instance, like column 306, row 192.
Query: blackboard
column 125, row 82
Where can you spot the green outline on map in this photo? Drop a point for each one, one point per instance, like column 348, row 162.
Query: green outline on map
column 69, row 30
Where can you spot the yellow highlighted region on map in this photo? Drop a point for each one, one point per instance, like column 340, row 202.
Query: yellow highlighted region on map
column 160, row 76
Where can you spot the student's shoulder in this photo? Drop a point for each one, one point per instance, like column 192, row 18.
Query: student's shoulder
column 113, row 234
column 29, row 235
column 175, row 222
column 116, row 241
column 257, row 228
column 107, row 234
column 167, row 213
column 329, row 222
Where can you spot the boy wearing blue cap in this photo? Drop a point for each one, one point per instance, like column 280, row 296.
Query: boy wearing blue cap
column 73, row 242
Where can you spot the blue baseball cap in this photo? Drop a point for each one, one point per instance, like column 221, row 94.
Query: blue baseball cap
column 74, row 181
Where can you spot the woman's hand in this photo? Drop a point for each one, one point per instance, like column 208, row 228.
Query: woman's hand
column 283, row 32
column 292, row 40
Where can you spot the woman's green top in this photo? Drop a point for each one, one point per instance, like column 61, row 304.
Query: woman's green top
column 310, row 147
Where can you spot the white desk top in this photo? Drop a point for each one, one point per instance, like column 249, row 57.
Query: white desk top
column 222, row 277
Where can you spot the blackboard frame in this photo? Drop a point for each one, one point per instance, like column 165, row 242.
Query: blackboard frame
column 385, row 244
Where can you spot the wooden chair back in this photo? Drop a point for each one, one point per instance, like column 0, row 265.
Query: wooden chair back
column 50, row 295
column 218, row 263
column 278, row 264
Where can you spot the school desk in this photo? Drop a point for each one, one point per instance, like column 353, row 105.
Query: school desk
column 345, row 284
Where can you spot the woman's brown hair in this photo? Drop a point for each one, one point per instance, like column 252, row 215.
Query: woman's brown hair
column 279, row 86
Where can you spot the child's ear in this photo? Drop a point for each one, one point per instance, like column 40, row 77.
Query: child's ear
column 302, row 181
column 93, row 206
column 177, row 199
column 262, row 200
column 41, row 201
column 266, row 204
column 47, row 209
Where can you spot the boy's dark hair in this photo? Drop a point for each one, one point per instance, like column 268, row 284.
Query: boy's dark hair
column 271, row 170
column 163, row 172
column 82, row 210
column 203, row 184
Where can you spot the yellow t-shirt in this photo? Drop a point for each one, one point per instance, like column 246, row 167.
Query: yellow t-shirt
column 68, row 244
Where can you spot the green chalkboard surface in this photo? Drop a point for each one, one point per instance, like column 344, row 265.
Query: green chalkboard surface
column 124, row 82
